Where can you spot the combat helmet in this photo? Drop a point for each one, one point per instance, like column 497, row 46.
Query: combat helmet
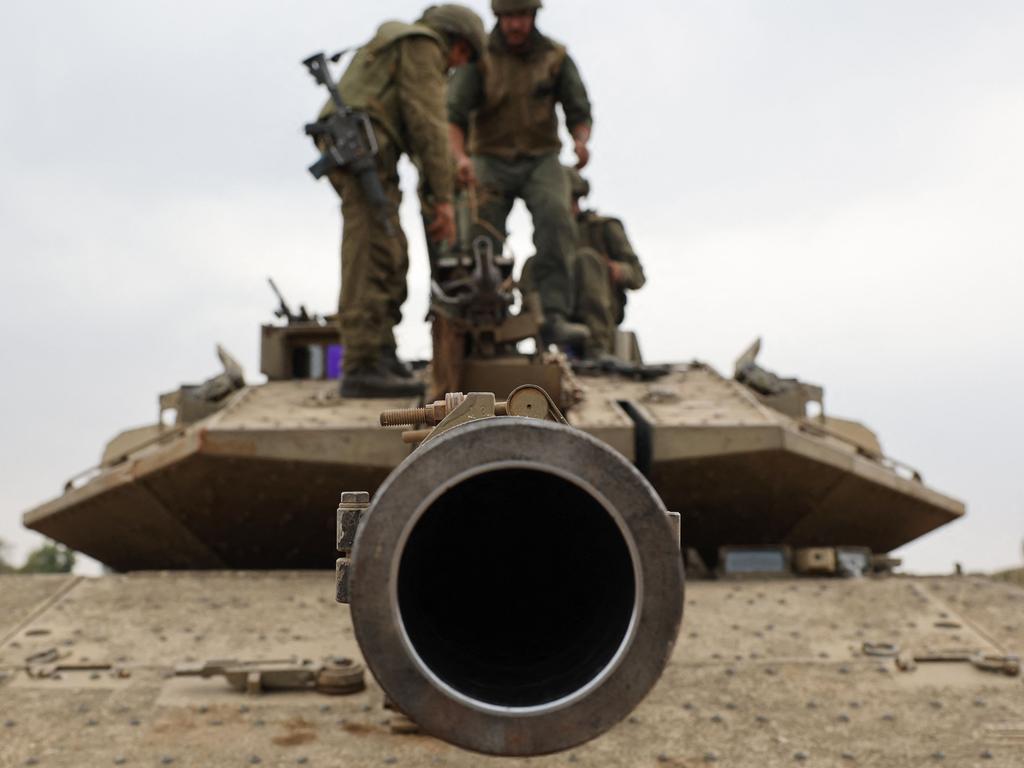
column 514, row 6
column 580, row 187
column 459, row 21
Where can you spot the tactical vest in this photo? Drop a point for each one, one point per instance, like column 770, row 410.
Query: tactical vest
column 593, row 233
column 369, row 81
column 517, row 116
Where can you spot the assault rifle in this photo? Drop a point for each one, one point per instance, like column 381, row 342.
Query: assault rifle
column 347, row 142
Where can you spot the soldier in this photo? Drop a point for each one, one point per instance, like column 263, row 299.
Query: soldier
column 506, row 105
column 606, row 267
column 399, row 79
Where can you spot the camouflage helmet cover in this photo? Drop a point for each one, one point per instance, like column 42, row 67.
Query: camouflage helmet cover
column 580, row 187
column 514, row 6
column 459, row 21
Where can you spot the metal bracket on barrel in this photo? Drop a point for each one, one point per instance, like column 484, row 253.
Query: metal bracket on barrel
column 350, row 513
column 527, row 401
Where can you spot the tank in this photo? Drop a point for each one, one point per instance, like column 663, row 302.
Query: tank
column 509, row 564
column 513, row 592
column 497, row 573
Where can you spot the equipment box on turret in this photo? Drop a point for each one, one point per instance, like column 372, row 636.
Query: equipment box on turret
column 300, row 351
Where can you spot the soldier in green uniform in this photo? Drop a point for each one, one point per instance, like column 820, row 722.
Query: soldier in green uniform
column 505, row 104
column 399, row 79
column 606, row 267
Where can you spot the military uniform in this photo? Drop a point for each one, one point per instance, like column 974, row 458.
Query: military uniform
column 600, row 303
column 505, row 104
column 399, row 79
column 436, row 251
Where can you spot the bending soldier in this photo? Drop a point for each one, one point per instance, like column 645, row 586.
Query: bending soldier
column 606, row 267
column 506, row 105
column 399, row 79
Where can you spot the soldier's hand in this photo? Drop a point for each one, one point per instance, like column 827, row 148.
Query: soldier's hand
column 465, row 174
column 442, row 228
column 615, row 272
column 582, row 154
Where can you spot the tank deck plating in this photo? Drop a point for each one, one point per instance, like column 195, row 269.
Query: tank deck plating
column 765, row 674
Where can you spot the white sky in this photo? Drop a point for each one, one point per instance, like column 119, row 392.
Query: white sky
column 844, row 178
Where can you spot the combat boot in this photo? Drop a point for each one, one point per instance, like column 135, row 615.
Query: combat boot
column 595, row 354
column 389, row 359
column 606, row 361
column 558, row 330
column 375, row 380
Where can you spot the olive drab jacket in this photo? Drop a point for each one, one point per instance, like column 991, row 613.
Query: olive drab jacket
column 607, row 236
column 506, row 101
column 399, row 79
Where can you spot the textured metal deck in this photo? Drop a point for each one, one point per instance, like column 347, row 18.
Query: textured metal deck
column 766, row 674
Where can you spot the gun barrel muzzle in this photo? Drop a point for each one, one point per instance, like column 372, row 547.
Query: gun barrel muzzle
column 525, row 590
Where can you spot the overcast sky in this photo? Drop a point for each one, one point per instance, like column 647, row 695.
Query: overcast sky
column 844, row 178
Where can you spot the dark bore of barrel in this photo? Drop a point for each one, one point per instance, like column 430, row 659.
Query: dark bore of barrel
column 516, row 588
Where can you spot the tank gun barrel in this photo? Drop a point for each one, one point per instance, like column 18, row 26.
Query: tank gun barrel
column 516, row 586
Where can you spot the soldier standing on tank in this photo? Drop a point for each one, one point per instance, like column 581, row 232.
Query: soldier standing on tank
column 505, row 104
column 399, row 79
column 606, row 267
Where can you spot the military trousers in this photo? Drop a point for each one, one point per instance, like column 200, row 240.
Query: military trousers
column 542, row 184
column 596, row 303
column 374, row 265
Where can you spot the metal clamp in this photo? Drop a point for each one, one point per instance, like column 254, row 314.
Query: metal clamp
column 527, row 401
column 350, row 513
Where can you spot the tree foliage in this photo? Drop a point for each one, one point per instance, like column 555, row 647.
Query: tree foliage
column 4, row 565
column 49, row 558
